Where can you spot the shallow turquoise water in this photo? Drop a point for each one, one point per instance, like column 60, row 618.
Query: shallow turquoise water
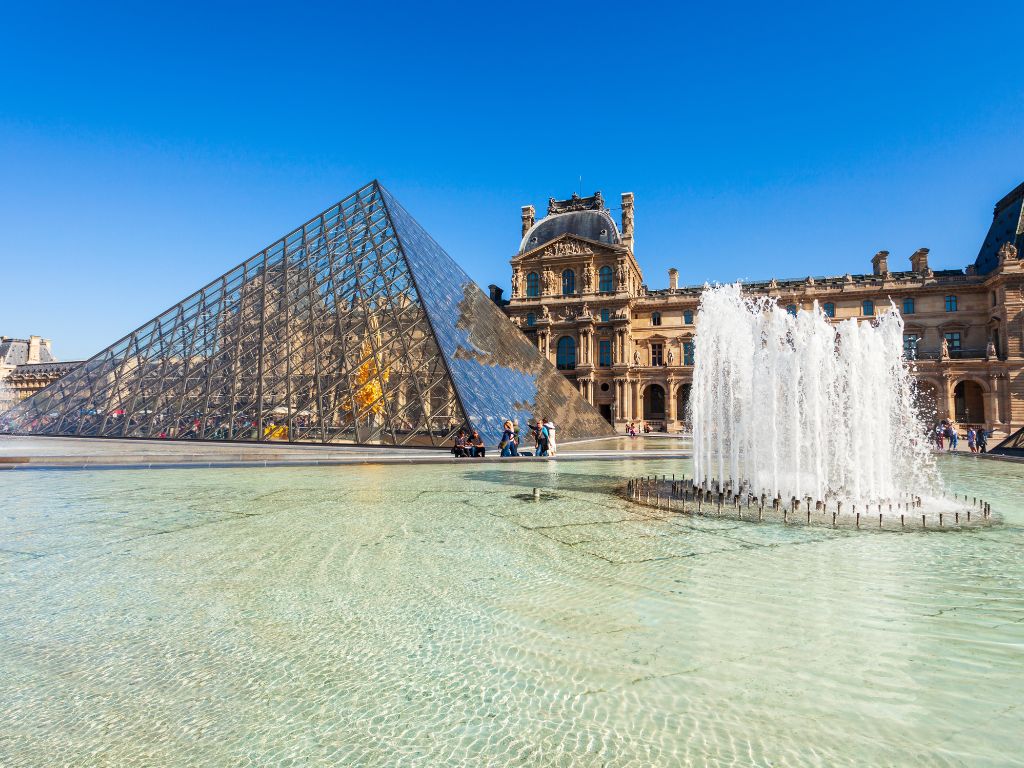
column 430, row 616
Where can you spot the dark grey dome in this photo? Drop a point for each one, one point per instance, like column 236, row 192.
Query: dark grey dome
column 593, row 225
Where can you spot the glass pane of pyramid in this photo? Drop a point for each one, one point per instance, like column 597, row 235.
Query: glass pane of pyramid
column 356, row 327
column 498, row 373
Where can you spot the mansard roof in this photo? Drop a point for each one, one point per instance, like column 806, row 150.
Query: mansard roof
column 1007, row 227
column 583, row 216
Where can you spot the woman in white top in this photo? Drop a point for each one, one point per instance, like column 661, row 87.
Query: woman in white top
column 552, row 447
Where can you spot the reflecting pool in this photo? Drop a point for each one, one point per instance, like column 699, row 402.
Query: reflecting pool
column 439, row 616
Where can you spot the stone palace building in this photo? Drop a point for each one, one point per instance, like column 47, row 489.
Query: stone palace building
column 26, row 366
column 579, row 293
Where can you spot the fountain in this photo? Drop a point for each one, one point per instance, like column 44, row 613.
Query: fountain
column 807, row 421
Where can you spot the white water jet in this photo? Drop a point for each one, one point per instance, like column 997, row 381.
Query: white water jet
column 793, row 406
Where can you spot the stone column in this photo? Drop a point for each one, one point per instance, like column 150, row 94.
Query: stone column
column 670, row 392
column 947, row 386
column 638, row 408
column 993, row 413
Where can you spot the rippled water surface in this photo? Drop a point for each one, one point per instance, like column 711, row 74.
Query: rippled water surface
column 439, row 616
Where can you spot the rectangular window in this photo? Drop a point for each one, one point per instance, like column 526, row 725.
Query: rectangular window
column 908, row 306
column 951, row 303
column 687, row 353
column 910, row 345
column 604, row 353
column 953, row 341
column 657, row 352
column 830, row 309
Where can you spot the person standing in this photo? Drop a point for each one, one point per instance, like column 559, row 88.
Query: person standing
column 542, row 438
column 940, row 435
column 982, row 440
column 508, row 441
column 951, row 436
column 971, row 439
column 549, row 425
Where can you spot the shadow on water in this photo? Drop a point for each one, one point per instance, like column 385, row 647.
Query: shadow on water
column 553, row 480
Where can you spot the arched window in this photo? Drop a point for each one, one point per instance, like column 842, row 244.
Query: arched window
column 568, row 282
column 605, row 315
column 791, row 309
column 829, row 309
column 656, row 318
column 868, row 308
column 566, row 353
column 533, row 284
column 688, row 317
column 908, row 306
column 531, row 319
column 606, row 283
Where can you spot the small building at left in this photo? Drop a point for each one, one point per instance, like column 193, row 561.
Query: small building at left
column 26, row 366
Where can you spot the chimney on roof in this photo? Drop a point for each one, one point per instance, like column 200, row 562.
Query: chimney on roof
column 880, row 263
column 35, row 343
column 673, row 279
column 627, row 220
column 919, row 261
column 529, row 216
column 496, row 293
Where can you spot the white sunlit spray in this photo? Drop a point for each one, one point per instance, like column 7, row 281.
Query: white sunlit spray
column 792, row 406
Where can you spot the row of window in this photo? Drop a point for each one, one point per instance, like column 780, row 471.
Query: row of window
column 605, row 282
column 867, row 307
column 687, row 318
column 565, row 353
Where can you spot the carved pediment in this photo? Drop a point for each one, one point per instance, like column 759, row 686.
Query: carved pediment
column 566, row 246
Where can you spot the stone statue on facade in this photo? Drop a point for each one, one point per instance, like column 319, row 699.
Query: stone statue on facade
column 990, row 350
column 620, row 275
column 671, row 357
column 545, row 313
column 586, row 310
column 945, row 348
column 515, row 282
column 588, row 278
column 636, row 357
column 549, row 282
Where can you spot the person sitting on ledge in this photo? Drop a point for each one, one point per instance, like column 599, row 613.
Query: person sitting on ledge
column 460, row 449
column 476, row 446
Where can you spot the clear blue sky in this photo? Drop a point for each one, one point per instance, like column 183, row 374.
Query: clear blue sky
column 146, row 148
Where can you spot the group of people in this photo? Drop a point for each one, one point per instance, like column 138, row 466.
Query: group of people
column 469, row 444
column 633, row 429
column 947, row 438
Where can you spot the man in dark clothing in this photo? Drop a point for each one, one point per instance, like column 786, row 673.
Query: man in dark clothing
column 982, row 440
column 460, row 449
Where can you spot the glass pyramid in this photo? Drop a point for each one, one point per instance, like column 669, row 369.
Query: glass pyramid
column 1012, row 445
column 355, row 328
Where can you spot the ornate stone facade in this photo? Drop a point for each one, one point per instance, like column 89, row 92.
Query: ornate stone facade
column 578, row 292
column 26, row 366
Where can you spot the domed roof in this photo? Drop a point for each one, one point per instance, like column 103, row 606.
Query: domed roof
column 593, row 225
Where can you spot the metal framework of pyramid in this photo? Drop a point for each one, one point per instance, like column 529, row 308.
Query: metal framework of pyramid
column 355, row 328
column 1012, row 445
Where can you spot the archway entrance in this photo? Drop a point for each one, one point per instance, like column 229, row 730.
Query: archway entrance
column 682, row 399
column 654, row 403
column 969, row 403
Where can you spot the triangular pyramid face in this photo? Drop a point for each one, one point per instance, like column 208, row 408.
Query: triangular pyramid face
column 497, row 372
column 324, row 337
